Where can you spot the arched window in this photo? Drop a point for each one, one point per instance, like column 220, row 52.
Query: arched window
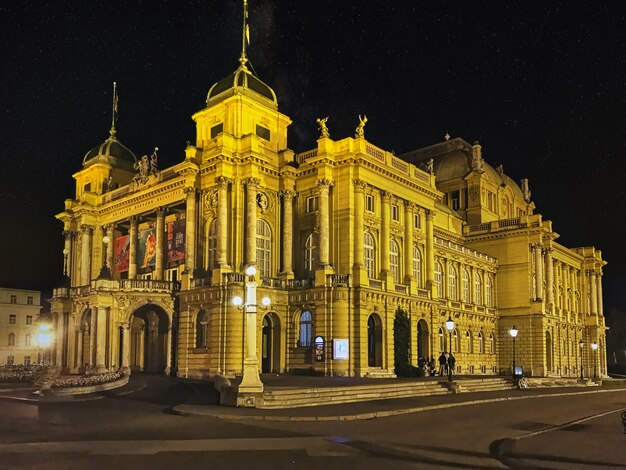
column 417, row 266
column 212, row 245
column 202, row 329
column 263, row 248
column 11, row 339
column 394, row 260
column 306, row 334
column 452, row 282
column 481, row 342
column 310, row 254
column 28, row 339
column 478, row 289
column 492, row 343
column 442, row 340
column 369, row 254
column 488, row 291
column 465, row 286
column 469, row 342
column 438, row 279
column 455, row 341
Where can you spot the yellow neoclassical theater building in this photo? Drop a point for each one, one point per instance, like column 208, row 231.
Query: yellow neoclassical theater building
column 341, row 236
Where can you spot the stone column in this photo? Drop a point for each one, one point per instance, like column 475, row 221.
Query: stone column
column 85, row 255
column 538, row 272
column 288, row 195
column 430, row 249
column 160, row 245
column 549, row 279
column 132, row 247
column 60, row 335
column 101, row 346
column 67, row 248
column 385, row 232
column 92, row 338
column 324, row 186
column 252, row 185
column 408, row 242
column 168, row 351
column 572, row 288
column 80, row 348
column 126, row 348
column 222, row 220
column 594, row 292
column 110, row 228
column 599, row 293
column 142, row 347
column 190, row 231
column 359, row 210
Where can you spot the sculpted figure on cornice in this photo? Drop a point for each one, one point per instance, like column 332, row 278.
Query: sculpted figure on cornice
column 210, row 202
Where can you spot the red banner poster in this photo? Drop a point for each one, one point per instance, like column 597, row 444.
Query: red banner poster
column 175, row 241
column 121, row 254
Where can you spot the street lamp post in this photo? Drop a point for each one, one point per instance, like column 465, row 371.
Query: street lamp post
column 105, row 272
column 66, row 279
column 513, row 332
column 450, row 327
column 44, row 339
column 594, row 347
column 581, row 344
column 251, row 380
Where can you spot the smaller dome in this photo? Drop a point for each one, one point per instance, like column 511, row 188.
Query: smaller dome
column 111, row 151
column 242, row 79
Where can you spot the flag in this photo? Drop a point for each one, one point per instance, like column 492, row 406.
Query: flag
column 248, row 34
column 245, row 20
column 114, row 103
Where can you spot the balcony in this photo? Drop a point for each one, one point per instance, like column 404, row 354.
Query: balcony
column 110, row 285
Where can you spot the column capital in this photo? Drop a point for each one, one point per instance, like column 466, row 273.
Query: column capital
column 359, row 185
column 410, row 205
column 547, row 251
column 223, row 180
column 386, row 195
column 133, row 219
column 430, row 214
column 287, row 193
column 160, row 211
column 190, row 190
column 324, row 183
column 252, row 183
column 86, row 229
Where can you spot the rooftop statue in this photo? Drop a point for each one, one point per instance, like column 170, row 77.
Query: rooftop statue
column 323, row 128
column 360, row 129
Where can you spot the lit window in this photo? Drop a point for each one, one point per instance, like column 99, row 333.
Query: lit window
column 202, row 329
column 442, row 340
column 11, row 339
column 470, row 345
column 369, row 203
column 310, row 253
column 14, row 299
column 29, row 319
column 492, row 343
column 438, row 280
column 394, row 260
column 478, row 289
column 465, row 286
column 481, row 342
column 312, row 203
column 306, row 323
column 455, row 341
column 395, row 213
column 263, row 248
column 212, row 245
column 369, row 254
column 12, row 319
column 29, row 300
column 488, row 295
column 417, row 266
column 452, row 283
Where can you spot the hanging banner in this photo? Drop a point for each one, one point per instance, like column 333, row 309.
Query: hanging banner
column 121, row 254
column 146, row 248
column 175, row 241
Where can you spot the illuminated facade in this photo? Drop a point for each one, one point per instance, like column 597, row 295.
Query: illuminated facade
column 341, row 235
column 19, row 314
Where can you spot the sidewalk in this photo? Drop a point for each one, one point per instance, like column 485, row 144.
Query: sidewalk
column 383, row 408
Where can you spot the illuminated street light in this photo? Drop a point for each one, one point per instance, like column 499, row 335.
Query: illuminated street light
column 594, row 347
column 105, row 272
column 450, row 327
column 44, row 338
column 581, row 344
column 513, row 332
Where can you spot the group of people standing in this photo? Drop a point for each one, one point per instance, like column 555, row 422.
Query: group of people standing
column 446, row 365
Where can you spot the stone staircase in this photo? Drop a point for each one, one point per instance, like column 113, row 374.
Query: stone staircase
column 491, row 384
column 379, row 373
column 301, row 397
column 546, row 382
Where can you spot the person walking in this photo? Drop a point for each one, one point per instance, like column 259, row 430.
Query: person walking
column 442, row 364
column 451, row 363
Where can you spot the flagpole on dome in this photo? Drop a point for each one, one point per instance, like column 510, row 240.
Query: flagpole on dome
column 245, row 35
column 114, row 110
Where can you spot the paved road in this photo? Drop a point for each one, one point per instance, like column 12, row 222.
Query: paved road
column 139, row 431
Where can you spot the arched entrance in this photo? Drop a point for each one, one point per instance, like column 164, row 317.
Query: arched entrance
column 423, row 349
column 374, row 341
column 548, row 353
column 270, row 344
column 149, row 330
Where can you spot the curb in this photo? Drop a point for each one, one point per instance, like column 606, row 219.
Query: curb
column 185, row 410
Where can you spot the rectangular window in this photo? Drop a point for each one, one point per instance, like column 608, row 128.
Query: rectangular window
column 369, row 203
column 395, row 213
column 87, row 188
column 263, row 132
column 455, row 200
column 12, row 319
column 29, row 300
column 216, row 130
column 14, row 299
column 29, row 319
column 26, row 360
column 416, row 220
column 312, row 203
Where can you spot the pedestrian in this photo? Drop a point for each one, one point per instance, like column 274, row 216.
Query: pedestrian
column 442, row 364
column 432, row 366
column 451, row 362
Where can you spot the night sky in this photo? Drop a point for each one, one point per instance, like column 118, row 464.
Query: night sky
column 542, row 86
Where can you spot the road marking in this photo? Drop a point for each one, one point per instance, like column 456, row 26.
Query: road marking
column 314, row 446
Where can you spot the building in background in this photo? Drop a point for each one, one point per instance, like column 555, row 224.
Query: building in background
column 341, row 236
column 19, row 315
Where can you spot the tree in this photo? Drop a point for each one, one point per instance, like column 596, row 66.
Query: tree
column 402, row 344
